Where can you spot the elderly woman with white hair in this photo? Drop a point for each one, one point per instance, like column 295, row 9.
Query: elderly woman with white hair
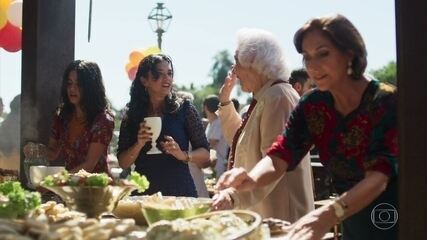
column 261, row 68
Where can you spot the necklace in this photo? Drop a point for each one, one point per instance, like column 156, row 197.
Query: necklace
column 156, row 111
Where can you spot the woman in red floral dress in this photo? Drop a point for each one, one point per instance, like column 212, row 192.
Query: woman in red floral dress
column 352, row 120
column 83, row 126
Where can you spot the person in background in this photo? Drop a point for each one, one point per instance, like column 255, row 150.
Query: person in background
column 352, row 120
column 10, row 131
column 1, row 110
column 83, row 124
column 300, row 81
column 10, row 128
column 152, row 95
column 261, row 68
column 195, row 171
column 214, row 134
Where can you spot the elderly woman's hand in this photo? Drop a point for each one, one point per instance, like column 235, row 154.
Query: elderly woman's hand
column 171, row 147
column 237, row 178
column 227, row 87
column 314, row 225
column 222, row 200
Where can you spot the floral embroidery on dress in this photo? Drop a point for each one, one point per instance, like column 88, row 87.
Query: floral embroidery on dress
column 365, row 139
column 74, row 153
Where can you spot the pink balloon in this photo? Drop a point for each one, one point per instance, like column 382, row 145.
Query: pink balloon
column 11, row 38
column 132, row 73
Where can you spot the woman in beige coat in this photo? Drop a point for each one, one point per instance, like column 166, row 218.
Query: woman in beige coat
column 260, row 66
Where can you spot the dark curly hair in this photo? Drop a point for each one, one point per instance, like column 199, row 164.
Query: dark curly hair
column 211, row 102
column 139, row 103
column 343, row 34
column 298, row 75
column 92, row 90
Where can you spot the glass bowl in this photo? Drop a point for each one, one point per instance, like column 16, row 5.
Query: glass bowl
column 170, row 208
column 93, row 201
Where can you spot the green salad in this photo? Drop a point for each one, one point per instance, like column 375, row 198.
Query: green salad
column 15, row 201
column 83, row 178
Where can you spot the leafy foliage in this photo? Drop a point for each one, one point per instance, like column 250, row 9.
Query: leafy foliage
column 15, row 201
column 387, row 73
column 98, row 180
column 221, row 67
column 139, row 180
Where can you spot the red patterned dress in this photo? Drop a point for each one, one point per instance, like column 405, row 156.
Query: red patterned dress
column 364, row 140
column 74, row 153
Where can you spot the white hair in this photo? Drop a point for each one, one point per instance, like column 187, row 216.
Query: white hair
column 260, row 50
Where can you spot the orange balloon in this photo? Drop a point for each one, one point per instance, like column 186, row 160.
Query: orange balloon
column 4, row 5
column 3, row 19
column 132, row 73
column 135, row 57
column 129, row 65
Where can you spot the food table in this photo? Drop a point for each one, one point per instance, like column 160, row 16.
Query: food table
column 93, row 206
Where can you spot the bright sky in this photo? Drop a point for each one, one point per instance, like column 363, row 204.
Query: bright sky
column 200, row 29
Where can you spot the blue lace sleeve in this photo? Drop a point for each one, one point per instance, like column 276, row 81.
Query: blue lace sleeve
column 126, row 139
column 195, row 128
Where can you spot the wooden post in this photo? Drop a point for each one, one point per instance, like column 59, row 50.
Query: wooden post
column 47, row 48
column 411, row 29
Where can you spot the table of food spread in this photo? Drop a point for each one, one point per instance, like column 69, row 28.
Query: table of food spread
column 95, row 206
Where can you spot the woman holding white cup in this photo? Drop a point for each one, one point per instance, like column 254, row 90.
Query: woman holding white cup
column 152, row 96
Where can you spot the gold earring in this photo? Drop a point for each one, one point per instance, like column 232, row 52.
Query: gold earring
column 349, row 68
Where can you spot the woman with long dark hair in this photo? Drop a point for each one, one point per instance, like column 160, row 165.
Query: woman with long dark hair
column 83, row 125
column 152, row 95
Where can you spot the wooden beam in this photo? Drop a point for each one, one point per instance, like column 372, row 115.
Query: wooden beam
column 47, row 48
column 411, row 31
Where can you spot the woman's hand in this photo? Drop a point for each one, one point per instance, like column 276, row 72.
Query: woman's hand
column 227, row 87
column 171, row 147
column 222, row 200
column 237, row 178
column 314, row 225
column 144, row 134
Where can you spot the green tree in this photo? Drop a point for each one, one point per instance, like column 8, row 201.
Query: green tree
column 221, row 67
column 387, row 73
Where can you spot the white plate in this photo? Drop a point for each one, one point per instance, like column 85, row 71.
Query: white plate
column 38, row 173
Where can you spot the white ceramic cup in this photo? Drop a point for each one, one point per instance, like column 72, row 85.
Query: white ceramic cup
column 155, row 123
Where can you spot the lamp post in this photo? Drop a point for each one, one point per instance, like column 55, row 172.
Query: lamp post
column 159, row 20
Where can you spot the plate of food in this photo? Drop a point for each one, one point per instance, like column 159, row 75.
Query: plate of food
column 227, row 225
